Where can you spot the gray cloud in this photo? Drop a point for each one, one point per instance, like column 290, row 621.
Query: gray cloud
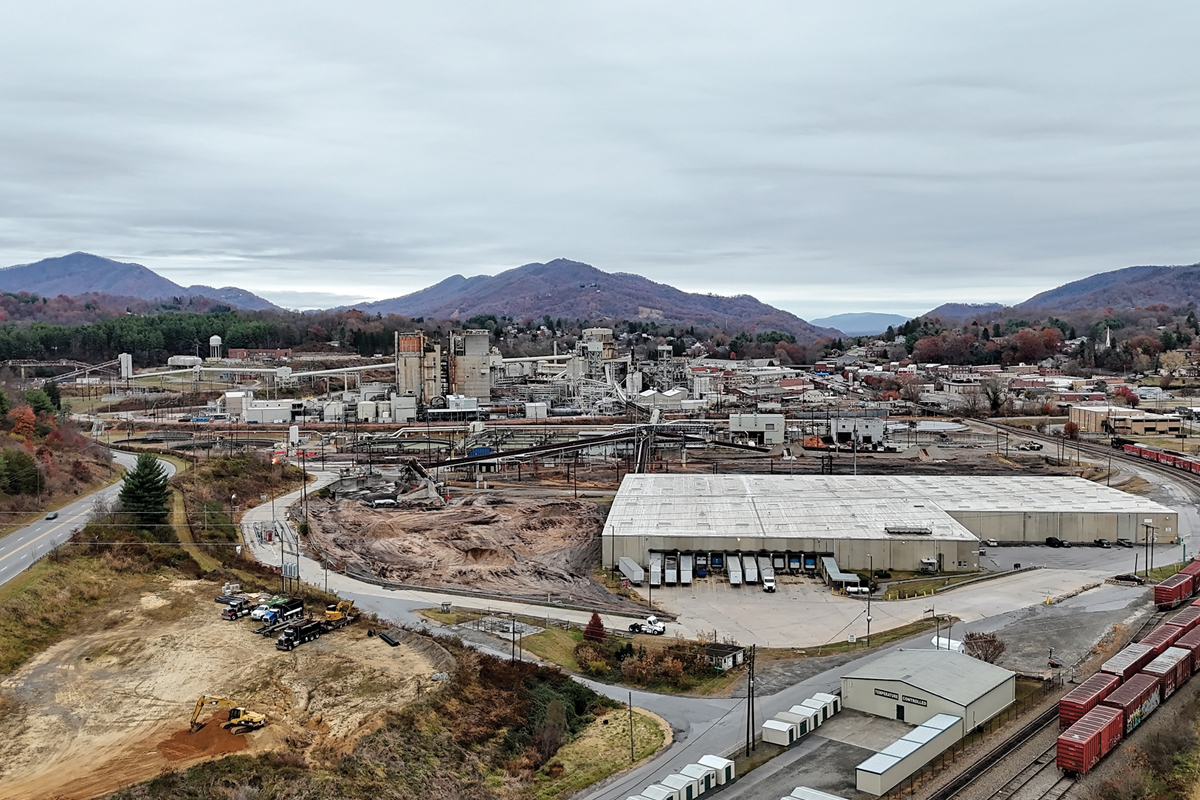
column 824, row 157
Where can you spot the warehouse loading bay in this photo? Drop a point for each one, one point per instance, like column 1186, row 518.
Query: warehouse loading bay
column 703, row 543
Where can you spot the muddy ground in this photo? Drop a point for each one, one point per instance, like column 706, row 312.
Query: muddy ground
column 106, row 709
column 526, row 544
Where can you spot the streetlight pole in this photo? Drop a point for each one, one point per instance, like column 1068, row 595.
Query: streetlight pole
column 1149, row 525
column 870, row 584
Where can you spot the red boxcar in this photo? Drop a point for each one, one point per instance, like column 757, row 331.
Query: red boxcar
column 1159, row 639
column 1136, row 698
column 1191, row 568
column 1173, row 668
column 1084, row 697
column 1128, row 662
column 1090, row 739
column 1174, row 590
column 1187, row 619
column 1191, row 641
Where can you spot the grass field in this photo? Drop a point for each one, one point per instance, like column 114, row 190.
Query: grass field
column 601, row 750
column 556, row 646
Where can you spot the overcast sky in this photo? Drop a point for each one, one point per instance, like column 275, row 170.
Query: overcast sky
column 825, row 157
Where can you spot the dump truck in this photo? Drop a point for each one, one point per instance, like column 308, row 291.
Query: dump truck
column 288, row 609
column 298, row 633
column 236, row 609
column 240, row 720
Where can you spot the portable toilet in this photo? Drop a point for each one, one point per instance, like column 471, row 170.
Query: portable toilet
column 803, row 722
column 780, row 733
column 813, row 715
column 818, row 707
column 723, row 766
column 706, row 777
column 832, row 702
column 659, row 792
column 687, row 788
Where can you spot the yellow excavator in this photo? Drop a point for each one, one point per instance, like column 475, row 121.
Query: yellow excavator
column 340, row 614
column 240, row 720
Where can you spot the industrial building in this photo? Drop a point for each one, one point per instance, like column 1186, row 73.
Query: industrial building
column 890, row 522
column 914, row 686
column 1122, row 420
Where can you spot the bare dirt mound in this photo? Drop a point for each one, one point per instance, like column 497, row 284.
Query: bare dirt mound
column 211, row 740
column 109, row 708
column 523, row 546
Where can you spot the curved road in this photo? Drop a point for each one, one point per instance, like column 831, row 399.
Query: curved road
column 22, row 547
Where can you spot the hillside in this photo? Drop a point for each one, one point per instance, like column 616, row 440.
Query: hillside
column 84, row 273
column 1132, row 287
column 965, row 311
column 570, row 289
column 860, row 323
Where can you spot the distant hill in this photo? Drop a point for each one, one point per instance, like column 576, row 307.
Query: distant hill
column 965, row 311
column 1131, row 287
column 84, row 273
column 570, row 289
column 860, row 323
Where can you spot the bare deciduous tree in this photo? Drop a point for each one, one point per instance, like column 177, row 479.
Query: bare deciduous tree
column 984, row 646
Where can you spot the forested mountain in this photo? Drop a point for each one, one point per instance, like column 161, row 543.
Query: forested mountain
column 84, row 273
column 572, row 290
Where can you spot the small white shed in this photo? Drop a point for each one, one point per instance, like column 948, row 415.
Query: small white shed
column 687, row 788
column 818, row 707
column 659, row 792
column 831, row 700
column 812, row 714
column 803, row 722
column 780, row 733
column 723, row 766
column 706, row 777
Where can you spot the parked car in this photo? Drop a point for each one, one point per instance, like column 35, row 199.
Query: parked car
column 1128, row 578
column 1124, row 543
column 1053, row 541
column 992, row 543
column 1102, row 543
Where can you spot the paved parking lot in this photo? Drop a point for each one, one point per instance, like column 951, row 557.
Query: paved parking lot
column 1084, row 556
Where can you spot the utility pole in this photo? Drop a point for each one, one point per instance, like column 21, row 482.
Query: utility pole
column 870, row 582
column 1149, row 525
column 632, row 756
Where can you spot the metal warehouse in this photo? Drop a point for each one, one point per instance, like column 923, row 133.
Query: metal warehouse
column 916, row 685
column 903, row 522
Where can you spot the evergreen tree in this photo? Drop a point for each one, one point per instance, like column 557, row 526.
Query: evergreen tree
column 145, row 493
column 594, row 632
column 52, row 391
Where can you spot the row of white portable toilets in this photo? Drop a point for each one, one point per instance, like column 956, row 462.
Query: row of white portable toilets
column 691, row 781
column 800, row 720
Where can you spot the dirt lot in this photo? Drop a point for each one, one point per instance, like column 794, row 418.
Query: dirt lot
column 110, row 708
column 527, row 545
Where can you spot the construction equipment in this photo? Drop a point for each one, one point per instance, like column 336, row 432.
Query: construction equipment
column 298, row 633
column 339, row 615
column 240, row 720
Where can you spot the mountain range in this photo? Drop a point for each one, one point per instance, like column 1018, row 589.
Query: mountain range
column 573, row 290
column 570, row 289
column 80, row 273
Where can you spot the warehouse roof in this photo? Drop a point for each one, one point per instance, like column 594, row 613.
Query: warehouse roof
column 863, row 506
column 942, row 673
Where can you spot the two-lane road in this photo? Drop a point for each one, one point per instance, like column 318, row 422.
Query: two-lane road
column 22, row 547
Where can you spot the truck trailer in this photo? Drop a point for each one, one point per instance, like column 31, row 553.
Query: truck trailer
column 298, row 633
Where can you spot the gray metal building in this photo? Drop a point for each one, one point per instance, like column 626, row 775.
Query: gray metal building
column 890, row 522
column 916, row 685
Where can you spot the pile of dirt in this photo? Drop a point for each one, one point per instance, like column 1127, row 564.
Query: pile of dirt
column 510, row 545
column 108, row 708
column 211, row 740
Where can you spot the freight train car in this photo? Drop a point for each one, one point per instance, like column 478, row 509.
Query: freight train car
column 1174, row 590
column 1084, row 697
column 1090, row 739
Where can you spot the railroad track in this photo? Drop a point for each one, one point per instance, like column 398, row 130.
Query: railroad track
column 1039, row 780
column 973, row 774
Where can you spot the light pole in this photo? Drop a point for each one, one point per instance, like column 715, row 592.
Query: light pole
column 937, row 635
column 1149, row 524
column 870, row 585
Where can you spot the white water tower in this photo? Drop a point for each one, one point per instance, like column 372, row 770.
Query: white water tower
column 214, row 346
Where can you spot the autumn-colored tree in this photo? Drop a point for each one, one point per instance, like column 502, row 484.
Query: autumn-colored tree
column 594, row 632
column 984, row 646
column 1071, row 430
column 22, row 420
